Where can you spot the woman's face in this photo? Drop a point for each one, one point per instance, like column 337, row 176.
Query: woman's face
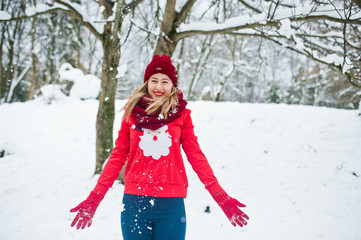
column 159, row 85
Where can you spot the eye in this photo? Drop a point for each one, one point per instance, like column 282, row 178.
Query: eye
column 148, row 132
column 158, row 132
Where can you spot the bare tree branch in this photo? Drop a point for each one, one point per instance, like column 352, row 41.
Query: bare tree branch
column 141, row 28
column 122, row 10
column 250, row 6
column 184, row 34
column 283, row 4
column 184, row 12
column 324, row 17
column 274, row 10
column 210, row 6
column 168, row 19
column 117, row 25
column 354, row 80
column 50, row 10
column 79, row 17
column 134, row 4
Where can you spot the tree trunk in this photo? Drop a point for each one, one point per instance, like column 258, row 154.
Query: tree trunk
column 9, row 74
column 33, row 60
column 2, row 79
column 51, row 50
column 168, row 39
column 165, row 46
column 106, row 110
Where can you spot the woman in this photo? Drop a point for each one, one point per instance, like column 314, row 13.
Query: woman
column 155, row 125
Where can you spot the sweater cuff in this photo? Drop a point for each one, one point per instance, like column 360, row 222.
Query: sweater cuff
column 214, row 188
column 100, row 188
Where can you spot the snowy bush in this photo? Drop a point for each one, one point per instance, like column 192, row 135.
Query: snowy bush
column 84, row 86
column 50, row 93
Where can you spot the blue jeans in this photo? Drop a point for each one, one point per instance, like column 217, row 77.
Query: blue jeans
column 153, row 218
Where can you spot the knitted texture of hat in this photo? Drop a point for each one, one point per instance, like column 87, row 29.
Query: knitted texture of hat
column 161, row 64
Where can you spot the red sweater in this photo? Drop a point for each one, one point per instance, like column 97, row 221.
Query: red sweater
column 155, row 166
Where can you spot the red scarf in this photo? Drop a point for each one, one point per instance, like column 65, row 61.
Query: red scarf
column 154, row 121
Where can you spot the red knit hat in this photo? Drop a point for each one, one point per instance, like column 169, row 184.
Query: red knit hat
column 163, row 65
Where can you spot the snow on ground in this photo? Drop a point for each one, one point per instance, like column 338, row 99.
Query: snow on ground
column 297, row 168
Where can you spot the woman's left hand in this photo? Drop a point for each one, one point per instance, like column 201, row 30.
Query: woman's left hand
column 230, row 207
column 86, row 210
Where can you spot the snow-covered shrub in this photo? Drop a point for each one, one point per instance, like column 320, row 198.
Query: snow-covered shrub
column 77, row 84
column 50, row 93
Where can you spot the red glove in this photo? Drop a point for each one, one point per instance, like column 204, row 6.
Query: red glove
column 86, row 210
column 230, row 207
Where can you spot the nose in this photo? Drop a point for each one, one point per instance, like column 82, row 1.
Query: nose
column 158, row 86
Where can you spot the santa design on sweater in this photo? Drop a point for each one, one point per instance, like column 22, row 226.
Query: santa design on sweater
column 155, row 143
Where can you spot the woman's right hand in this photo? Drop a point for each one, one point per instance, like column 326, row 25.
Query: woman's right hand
column 86, row 210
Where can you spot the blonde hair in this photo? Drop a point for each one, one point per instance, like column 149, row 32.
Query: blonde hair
column 162, row 105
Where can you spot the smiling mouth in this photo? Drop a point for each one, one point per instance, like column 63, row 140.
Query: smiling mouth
column 158, row 94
